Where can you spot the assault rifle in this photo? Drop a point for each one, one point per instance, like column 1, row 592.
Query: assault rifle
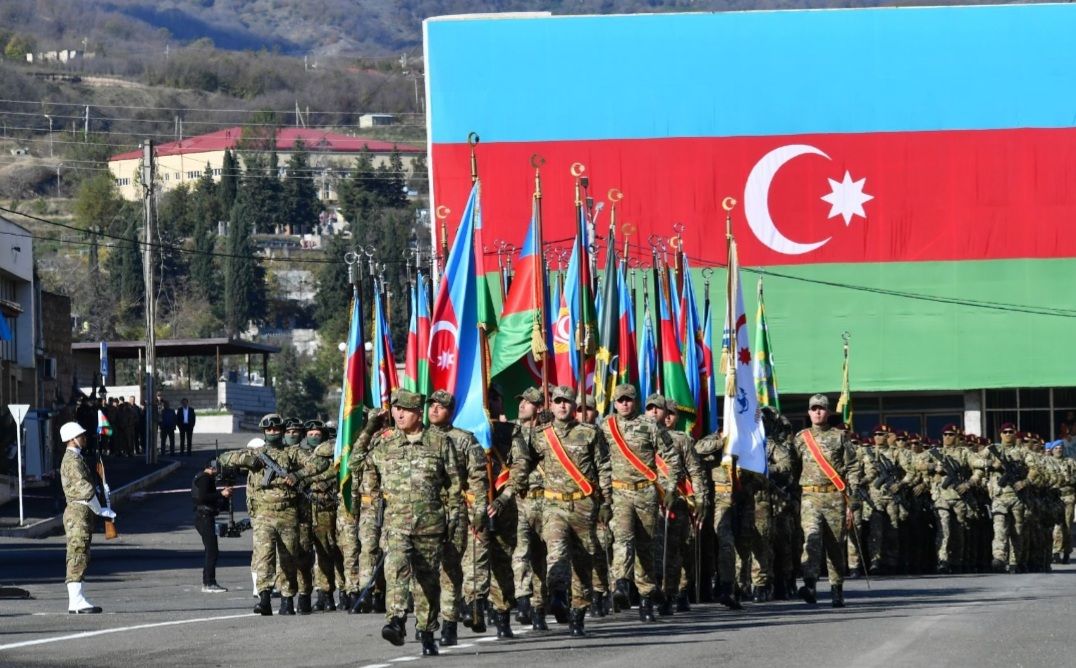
column 1010, row 473
column 274, row 470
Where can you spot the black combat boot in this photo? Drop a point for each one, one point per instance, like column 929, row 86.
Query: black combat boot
column 559, row 607
column 597, row 604
column 449, row 636
column 378, row 602
column 523, row 610
column 538, row 618
column 265, row 604
column 330, row 602
column 943, row 568
column 429, row 647
column 646, row 610
column 762, row 594
column 665, row 609
column 466, row 611
column 395, row 631
column 725, row 597
column 807, row 591
column 491, row 615
column 287, row 605
column 304, row 604
column 622, row 594
column 319, row 603
column 478, row 625
column 345, row 601
column 504, row 625
column 998, row 566
column 575, row 624
column 682, row 602
column 836, row 593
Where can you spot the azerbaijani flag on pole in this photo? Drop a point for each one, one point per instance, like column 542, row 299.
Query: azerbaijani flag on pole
column 743, row 423
column 672, row 368
column 410, row 375
column 765, row 379
column 581, row 316
column 352, row 398
column 455, row 340
column 605, row 370
column 628, row 355
column 383, row 378
column 690, row 334
column 710, row 373
column 648, row 358
column 104, row 427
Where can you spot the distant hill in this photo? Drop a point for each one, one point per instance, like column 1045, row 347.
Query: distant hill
column 307, row 27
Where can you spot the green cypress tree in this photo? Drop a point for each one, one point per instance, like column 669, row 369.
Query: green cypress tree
column 332, row 302
column 229, row 181
column 300, row 204
column 244, row 277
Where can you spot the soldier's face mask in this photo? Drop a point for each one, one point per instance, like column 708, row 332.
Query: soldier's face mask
column 273, row 436
column 314, row 438
column 292, row 437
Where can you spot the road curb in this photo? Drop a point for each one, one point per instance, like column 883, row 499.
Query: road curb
column 46, row 527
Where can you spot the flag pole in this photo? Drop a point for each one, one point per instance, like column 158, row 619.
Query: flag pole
column 655, row 262
column 577, row 170
column 538, row 343
column 728, row 362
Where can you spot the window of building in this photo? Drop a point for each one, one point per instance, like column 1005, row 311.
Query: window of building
column 216, row 172
column 1049, row 412
column 166, row 177
column 7, row 348
column 193, row 174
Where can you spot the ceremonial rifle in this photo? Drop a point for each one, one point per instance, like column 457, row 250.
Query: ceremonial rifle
column 110, row 524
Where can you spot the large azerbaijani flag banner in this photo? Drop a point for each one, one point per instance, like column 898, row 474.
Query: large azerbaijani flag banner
column 903, row 174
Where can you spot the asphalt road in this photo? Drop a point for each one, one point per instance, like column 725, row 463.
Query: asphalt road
column 148, row 582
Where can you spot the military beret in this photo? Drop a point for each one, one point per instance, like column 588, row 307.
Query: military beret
column 408, row 400
column 882, row 429
column 1055, row 444
column 670, row 405
column 951, row 427
column 443, row 397
column 819, row 400
column 655, row 399
column 1007, row 425
column 532, row 394
column 625, row 390
column 591, row 403
column 563, row 392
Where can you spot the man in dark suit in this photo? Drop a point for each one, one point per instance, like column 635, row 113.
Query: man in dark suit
column 185, row 418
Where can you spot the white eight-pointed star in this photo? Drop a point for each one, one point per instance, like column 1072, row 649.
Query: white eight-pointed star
column 847, row 198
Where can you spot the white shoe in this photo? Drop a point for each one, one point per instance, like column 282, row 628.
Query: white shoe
column 77, row 603
column 213, row 589
column 254, row 579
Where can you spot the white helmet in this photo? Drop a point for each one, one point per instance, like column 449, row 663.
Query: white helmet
column 256, row 443
column 70, row 431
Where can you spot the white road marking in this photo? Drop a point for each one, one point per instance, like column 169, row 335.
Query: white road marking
column 463, row 645
column 137, row 627
column 486, row 639
column 401, row 659
column 376, row 665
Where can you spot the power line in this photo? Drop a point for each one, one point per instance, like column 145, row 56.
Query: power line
column 41, row 103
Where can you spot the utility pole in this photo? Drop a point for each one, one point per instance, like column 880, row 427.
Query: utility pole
column 151, row 306
column 86, row 125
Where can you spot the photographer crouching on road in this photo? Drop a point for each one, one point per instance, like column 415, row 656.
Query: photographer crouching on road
column 208, row 501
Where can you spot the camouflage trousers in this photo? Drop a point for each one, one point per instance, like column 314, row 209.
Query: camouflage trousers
column 529, row 556
column 822, row 516
column 452, row 568
column 329, row 563
column 569, row 535
column 604, row 543
column 304, row 557
column 1008, row 544
column 951, row 522
column 635, row 528
column 372, row 549
column 276, row 543
column 786, row 547
column 883, row 531
column 675, row 548
column 487, row 561
column 725, row 550
column 855, row 559
column 758, row 535
column 78, row 528
column 347, row 539
column 412, row 571
column 1063, row 530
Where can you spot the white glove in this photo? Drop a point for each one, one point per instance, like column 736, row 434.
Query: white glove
column 107, row 513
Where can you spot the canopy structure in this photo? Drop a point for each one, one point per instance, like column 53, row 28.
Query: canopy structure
column 216, row 347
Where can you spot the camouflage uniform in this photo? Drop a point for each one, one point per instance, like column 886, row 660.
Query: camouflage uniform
column 711, row 451
column 635, row 496
column 1008, row 506
column 304, row 557
column 324, row 501
column 78, row 486
column 347, row 538
column 277, row 526
column 529, row 556
column 954, row 472
column 885, row 522
column 823, row 507
column 1067, row 490
column 568, row 515
column 413, row 471
column 784, row 508
column 679, row 545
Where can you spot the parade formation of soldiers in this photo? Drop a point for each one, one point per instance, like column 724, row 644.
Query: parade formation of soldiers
column 572, row 515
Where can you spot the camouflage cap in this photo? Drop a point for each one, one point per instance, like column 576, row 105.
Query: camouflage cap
column 533, row 395
column 443, row 397
column 563, row 392
column 408, row 400
column 591, row 403
column 655, row 399
column 670, row 405
column 819, row 400
column 624, row 390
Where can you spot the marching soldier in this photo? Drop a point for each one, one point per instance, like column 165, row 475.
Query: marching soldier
column 884, row 483
column 636, row 443
column 783, row 499
column 953, row 478
column 274, row 493
column 1067, row 490
column 323, row 502
column 722, row 468
column 529, row 556
column 470, row 505
column 82, row 505
column 294, row 440
column 1008, row 506
column 578, row 491
column 830, row 471
column 413, row 467
column 689, row 503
